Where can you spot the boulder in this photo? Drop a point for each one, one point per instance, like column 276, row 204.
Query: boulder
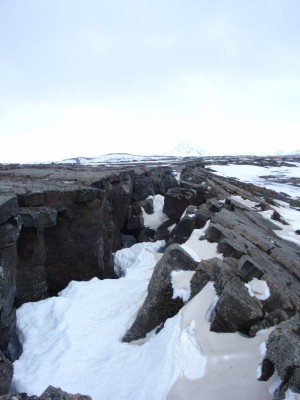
column 134, row 220
column 236, row 310
column 177, row 200
column 159, row 304
column 165, row 231
column 283, row 355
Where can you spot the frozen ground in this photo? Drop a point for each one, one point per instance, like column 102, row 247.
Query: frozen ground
column 254, row 174
column 73, row 341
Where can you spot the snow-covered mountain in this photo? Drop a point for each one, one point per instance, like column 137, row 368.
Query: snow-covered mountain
column 184, row 148
column 187, row 148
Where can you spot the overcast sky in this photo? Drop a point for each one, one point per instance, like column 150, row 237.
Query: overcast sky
column 89, row 77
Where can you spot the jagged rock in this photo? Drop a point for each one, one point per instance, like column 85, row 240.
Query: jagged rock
column 283, row 354
column 147, row 205
column 159, row 305
column 277, row 217
column 8, row 207
column 148, row 183
column 248, row 269
column 146, row 235
column 127, row 240
column 32, row 284
column 9, row 232
column 272, row 319
column 177, row 200
column 185, row 226
column 51, row 393
column 134, row 220
column 38, row 217
column 165, row 230
column 6, row 374
column 236, row 310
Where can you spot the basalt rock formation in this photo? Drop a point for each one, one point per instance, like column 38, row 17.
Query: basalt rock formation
column 60, row 223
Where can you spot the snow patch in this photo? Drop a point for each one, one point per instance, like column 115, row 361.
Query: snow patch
column 181, row 281
column 201, row 247
column 258, row 288
column 291, row 395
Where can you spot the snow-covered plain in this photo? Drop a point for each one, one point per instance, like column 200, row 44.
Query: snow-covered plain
column 254, row 174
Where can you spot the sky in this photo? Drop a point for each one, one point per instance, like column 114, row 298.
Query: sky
column 90, row 77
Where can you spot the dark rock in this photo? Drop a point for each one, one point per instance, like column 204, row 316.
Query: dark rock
column 236, row 310
column 9, row 232
column 51, row 393
column 7, row 294
column 186, row 225
column 6, row 374
column 159, row 305
column 230, row 249
column 177, row 200
column 147, row 205
column 283, row 353
column 8, row 207
column 127, row 240
column 248, row 269
column 38, row 217
column 32, row 283
column 277, row 217
column 297, row 232
column 134, row 220
column 165, row 230
column 146, row 235
column 274, row 318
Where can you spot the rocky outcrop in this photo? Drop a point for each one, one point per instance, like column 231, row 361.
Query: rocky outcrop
column 6, row 374
column 9, row 229
column 62, row 223
column 250, row 249
column 283, row 355
column 177, row 200
column 51, row 393
column 159, row 304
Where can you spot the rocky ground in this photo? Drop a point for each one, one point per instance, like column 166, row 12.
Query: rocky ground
column 63, row 222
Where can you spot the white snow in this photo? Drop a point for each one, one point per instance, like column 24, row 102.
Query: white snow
column 201, row 249
column 73, row 341
column 181, row 281
column 291, row 395
column 154, row 220
column 258, row 288
column 291, row 216
column 254, row 174
column 231, row 359
column 177, row 176
column 137, row 255
column 244, row 202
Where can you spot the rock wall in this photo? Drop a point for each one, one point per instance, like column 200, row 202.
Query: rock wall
column 52, row 234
